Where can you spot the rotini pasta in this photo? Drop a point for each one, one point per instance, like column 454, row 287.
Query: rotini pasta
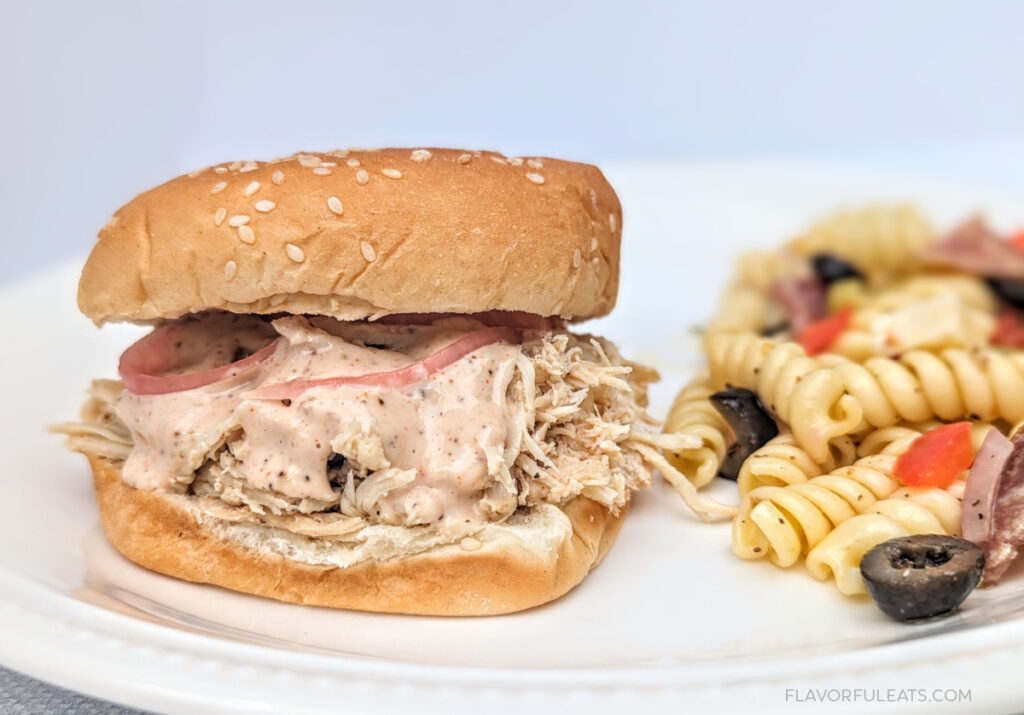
column 949, row 384
column 893, row 439
column 741, row 309
column 880, row 240
column 897, row 438
column 828, row 396
column 811, row 399
column 760, row 269
column 907, row 511
column 855, row 345
column 784, row 523
column 781, row 462
column 692, row 413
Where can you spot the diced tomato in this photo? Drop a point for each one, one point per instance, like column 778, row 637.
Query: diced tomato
column 817, row 336
column 1017, row 240
column 935, row 458
column 1009, row 330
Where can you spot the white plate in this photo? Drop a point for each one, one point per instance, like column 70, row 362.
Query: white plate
column 671, row 620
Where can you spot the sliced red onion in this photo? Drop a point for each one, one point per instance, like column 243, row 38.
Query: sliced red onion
column 977, row 510
column 142, row 363
column 395, row 379
column 1007, row 532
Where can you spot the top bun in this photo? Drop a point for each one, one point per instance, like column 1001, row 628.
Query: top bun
column 362, row 234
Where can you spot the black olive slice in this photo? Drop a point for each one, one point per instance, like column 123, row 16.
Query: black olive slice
column 769, row 331
column 750, row 422
column 830, row 269
column 922, row 576
column 1009, row 290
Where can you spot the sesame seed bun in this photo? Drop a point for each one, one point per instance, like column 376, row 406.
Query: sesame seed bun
column 513, row 566
column 358, row 234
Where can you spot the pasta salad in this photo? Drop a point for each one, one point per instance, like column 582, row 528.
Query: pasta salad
column 864, row 388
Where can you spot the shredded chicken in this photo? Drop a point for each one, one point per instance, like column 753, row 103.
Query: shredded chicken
column 581, row 429
column 99, row 432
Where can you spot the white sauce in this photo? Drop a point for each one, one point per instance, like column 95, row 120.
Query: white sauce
column 432, row 437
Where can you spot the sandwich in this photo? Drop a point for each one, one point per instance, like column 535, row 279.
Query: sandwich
column 360, row 389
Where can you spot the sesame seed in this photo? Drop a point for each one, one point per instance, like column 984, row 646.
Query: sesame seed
column 194, row 174
column 234, row 166
column 353, row 163
column 218, row 217
column 248, row 166
column 339, row 153
column 596, row 261
column 535, row 178
column 264, row 206
column 362, row 177
column 613, row 222
column 246, row 234
column 465, row 158
column 218, row 187
column 251, row 189
column 334, row 204
column 368, row 252
column 294, row 252
column 277, row 177
column 308, row 161
column 498, row 160
column 577, row 258
column 593, row 244
column 230, row 269
column 391, row 173
column 535, row 163
column 516, row 161
column 329, row 164
column 321, row 171
column 420, row 155
column 278, row 299
column 220, row 170
column 238, row 220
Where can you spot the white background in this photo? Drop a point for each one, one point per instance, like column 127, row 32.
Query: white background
column 101, row 100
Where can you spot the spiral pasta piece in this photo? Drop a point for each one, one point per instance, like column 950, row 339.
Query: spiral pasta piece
column 894, row 439
column 950, row 384
column 784, row 523
column 771, row 368
column 907, row 511
column 781, row 462
column 825, row 397
column 760, row 269
column 793, row 386
column 877, row 239
column 692, row 413
column 742, row 308
column 855, row 344
column 897, row 438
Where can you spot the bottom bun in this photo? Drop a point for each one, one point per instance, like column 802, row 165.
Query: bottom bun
column 517, row 566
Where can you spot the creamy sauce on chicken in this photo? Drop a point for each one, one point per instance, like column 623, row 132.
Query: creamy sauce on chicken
column 420, row 454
